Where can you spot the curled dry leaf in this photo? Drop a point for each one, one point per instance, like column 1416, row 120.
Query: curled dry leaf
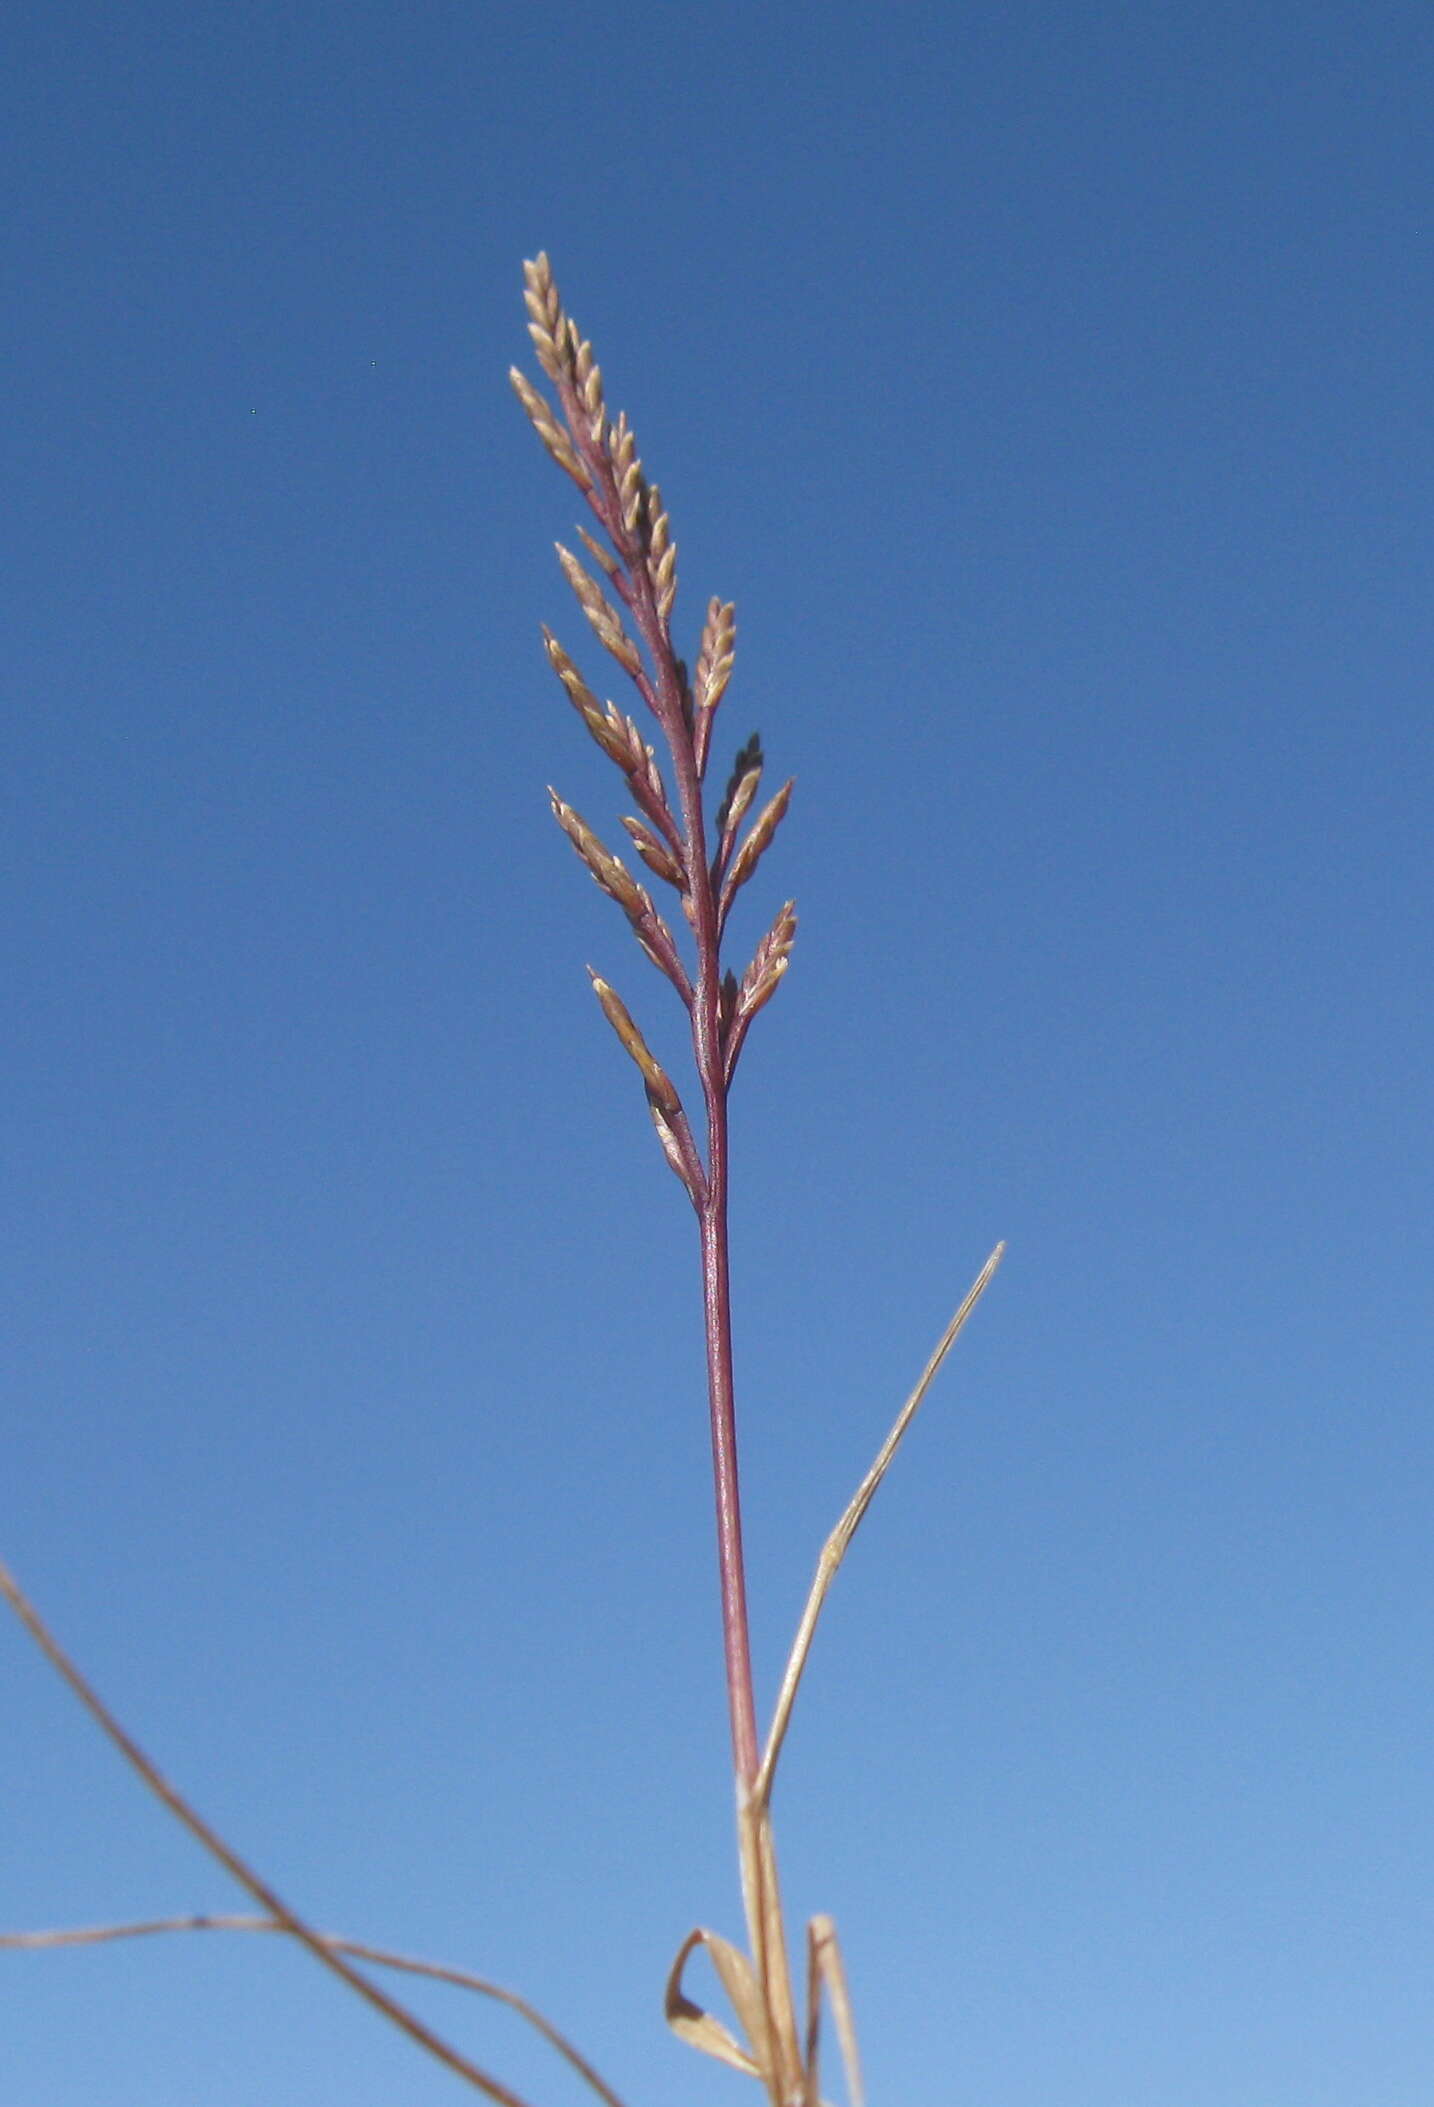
column 699, row 2028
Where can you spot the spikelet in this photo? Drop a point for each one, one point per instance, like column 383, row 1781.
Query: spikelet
column 608, row 870
column 627, row 472
column 740, row 1004
column 654, row 853
column 750, row 853
column 600, row 555
column 748, row 764
column 769, row 962
column 554, row 438
column 660, row 1089
column 683, row 1161
column 554, row 339
column 604, row 617
column 606, row 725
column 714, row 661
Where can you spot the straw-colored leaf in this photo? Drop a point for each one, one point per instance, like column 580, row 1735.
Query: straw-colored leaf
column 766, row 1928
column 834, row 1550
column 826, row 1972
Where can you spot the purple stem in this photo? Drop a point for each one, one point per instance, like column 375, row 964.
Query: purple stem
column 667, row 702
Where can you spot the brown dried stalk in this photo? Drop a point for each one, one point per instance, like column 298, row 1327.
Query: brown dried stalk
column 356, row 1949
column 334, row 1953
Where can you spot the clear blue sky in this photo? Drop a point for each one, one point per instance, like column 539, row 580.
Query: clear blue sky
column 1049, row 385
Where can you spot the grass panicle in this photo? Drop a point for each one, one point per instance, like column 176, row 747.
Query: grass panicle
column 639, row 563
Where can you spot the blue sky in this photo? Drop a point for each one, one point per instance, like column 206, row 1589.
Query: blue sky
column 1049, row 387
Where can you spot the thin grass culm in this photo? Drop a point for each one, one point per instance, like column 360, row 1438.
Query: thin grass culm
column 630, row 612
column 628, row 596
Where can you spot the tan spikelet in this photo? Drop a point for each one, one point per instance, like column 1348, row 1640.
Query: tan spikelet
column 610, row 730
column 714, row 662
column 763, row 828
column 608, row 870
column 658, row 1082
column 604, row 617
column 600, row 555
column 549, row 431
column 654, row 853
column 547, row 325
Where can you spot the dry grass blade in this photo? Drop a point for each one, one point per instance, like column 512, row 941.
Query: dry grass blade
column 356, row 1949
column 825, row 1971
column 228, row 1857
column 835, row 1548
